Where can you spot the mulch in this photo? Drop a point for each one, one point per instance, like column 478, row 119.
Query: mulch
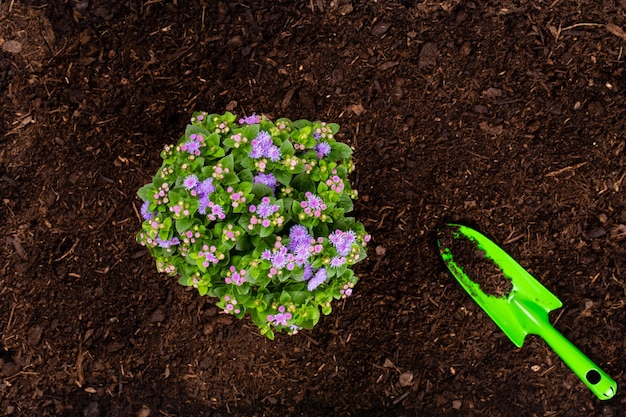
column 508, row 115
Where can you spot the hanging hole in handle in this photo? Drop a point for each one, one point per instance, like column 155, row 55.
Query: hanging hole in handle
column 593, row 376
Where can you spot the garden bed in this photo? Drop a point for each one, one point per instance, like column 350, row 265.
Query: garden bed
column 507, row 115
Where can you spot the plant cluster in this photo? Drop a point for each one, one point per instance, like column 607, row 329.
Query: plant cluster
column 253, row 212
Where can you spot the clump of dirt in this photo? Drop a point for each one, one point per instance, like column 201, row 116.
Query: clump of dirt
column 475, row 263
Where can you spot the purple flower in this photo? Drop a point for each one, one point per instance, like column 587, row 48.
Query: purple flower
column 165, row 244
column 342, row 241
column 307, row 273
column 234, row 277
column 191, row 147
column 299, row 231
column 266, row 179
column 230, row 305
column 262, row 147
column 280, row 318
column 336, row 237
column 250, row 120
column 322, row 149
column 205, row 187
column 266, row 208
column 190, row 182
column 350, row 237
column 317, row 280
column 298, row 235
column 217, row 211
column 263, row 140
column 210, row 258
column 313, row 201
column 203, row 203
column 279, row 259
column 337, row 261
column 273, row 153
column 257, row 151
column 145, row 213
column 301, row 253
column 346, row 291
column 267, row 254
column 196, row 138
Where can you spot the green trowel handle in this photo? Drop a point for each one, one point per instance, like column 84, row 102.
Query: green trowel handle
column 598, row 382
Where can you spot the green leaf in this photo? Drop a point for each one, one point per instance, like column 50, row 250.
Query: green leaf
column 283, row 177
column 229, row 117
column 244, row 221
column 262, row 280
column 164, row 234
column 199, row 265
column 207, row 171
column 344, row 223
column 261, row 190
column 342, row 172
column 266, row 231
column 334, row 127
column 147, row 192
column 219, row 152
column 245, row 187
column 303, row 183
column 174, row 197
column 230, row 179
column 312, row 314
column 285, row 297
column 339, row 151
column 247, row 163
column 302, row 123
column 251, row 131
column 197, row 164
column 182, row 225
column 259, row 244
column 194, row 129
column 228, row 162
column 243, row 243
column 246, row 176
column 345, row 202
column 212, row 140
column 242, row 290
column 300, row 297
column 321, row 229
column 295, row 207
column 193, row 205
column 186, row 281
column 287, row 148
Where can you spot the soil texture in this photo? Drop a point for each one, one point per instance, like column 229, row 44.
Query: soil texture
column 474, row 262
column 506, row 115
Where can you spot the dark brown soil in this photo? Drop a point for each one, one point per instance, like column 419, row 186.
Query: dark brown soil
column 474, row 262
column 507, row 114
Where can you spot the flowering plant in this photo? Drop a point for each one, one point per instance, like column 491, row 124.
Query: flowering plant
column 253, row 212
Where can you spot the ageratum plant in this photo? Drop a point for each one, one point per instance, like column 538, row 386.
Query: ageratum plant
column 253, row 212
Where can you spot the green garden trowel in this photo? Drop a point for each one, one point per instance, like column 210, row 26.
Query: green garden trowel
column 524, row 309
